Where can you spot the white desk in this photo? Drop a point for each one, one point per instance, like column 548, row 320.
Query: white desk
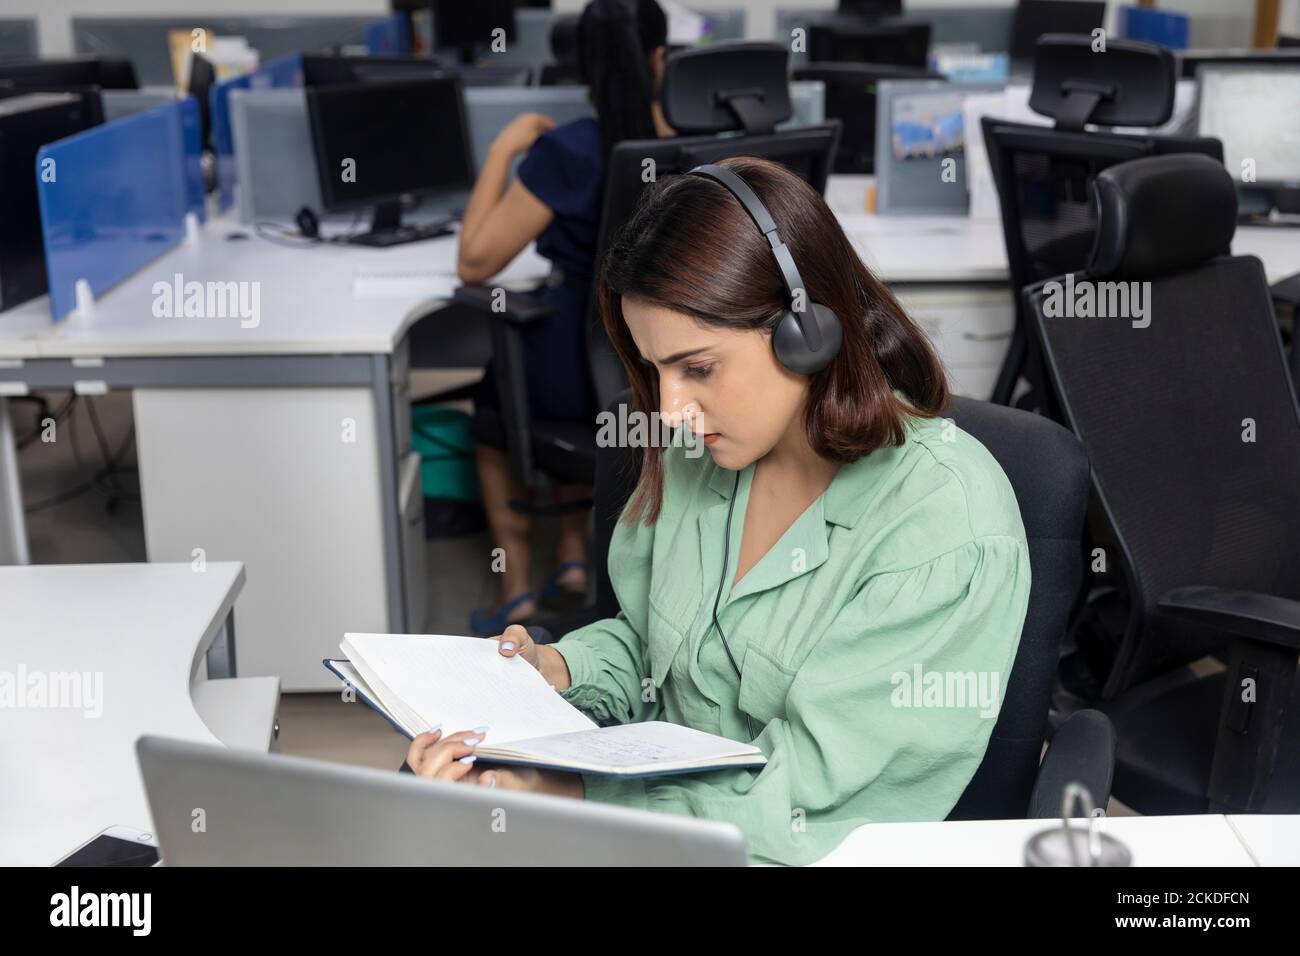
column 1271, row 839
column 143, row 630
column 284, row 445
column 1201, row 840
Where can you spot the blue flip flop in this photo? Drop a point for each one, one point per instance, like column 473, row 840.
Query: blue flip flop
column 555, row 595
column 490, row 625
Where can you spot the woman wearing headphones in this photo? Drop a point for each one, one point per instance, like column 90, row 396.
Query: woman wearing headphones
column 555, row 199
column 815, row 582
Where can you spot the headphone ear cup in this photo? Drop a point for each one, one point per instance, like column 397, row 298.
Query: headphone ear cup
column 792, row 348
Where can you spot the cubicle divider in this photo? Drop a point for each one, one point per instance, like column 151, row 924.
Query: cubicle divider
column 18, row 37
column 284, row 72
column 390, row 36
column 144, row 39
column 113, row 199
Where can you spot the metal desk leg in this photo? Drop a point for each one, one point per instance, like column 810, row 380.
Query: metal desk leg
column 221, row 655
column 13, row 527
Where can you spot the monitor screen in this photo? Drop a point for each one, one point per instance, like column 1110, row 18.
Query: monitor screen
column 1253, row 110
column 465, row 23
column 1035, row 17
column 378, row 142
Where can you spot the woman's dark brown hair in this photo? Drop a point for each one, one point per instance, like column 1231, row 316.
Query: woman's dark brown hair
column 691, row 247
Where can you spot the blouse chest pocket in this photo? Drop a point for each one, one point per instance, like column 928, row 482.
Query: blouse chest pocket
column 764, row 686
column 663, row 642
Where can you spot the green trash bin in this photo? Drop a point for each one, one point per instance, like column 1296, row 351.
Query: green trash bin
column 448, row 475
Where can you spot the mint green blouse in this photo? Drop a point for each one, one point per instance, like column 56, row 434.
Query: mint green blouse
column 874, row 641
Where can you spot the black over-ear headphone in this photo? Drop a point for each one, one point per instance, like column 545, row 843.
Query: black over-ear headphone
column 806, row 340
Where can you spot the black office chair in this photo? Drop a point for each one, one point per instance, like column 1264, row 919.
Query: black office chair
column 851, row 99
column 722, row 88
column 1048, row 470
column 1044, row 175
column 1208, row 523
column 565, row 70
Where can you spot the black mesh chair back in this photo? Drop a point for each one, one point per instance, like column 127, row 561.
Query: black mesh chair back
column 1187, row 410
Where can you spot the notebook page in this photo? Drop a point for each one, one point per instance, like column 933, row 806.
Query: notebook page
column 463, row 683
column 635, row 745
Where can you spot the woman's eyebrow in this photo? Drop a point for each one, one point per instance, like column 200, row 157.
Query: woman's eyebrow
column 678, row 356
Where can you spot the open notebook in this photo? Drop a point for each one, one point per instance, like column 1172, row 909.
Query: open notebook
column 417, row 681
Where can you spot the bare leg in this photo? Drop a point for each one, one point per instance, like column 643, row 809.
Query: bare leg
column 509, row 528
column 571, row 541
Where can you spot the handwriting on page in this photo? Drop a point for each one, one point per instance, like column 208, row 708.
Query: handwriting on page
column 630, row 745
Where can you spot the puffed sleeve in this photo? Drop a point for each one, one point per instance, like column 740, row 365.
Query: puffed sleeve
column 608, row 671
column 887, row 718
column 561, row 170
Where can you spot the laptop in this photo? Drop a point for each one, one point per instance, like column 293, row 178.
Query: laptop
column 212, row 806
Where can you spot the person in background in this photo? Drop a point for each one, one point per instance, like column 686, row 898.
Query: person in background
column 555, row 199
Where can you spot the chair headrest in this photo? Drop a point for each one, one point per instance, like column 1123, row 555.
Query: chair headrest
column 735, row 84
column 1161, row 214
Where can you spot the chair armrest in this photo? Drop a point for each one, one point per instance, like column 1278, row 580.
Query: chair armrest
column 1082, row 751
column 517, row 308
column 1250, row 614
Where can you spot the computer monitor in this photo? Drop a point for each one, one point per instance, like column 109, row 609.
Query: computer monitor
column 871, row 8
column 1190, row 61
column 203, row 76
column 379, row 143
column 468, row 25
column 896, row 44
column 109, row 73
column 851, row 90
column 1035, row 17
column 27, row 123
column 1255, row 111
column 319, row 69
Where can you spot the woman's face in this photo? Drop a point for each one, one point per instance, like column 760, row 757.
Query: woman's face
column 725, row 384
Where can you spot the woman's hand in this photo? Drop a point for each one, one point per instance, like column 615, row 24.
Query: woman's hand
column 443, row 758
column 555, row 782
column 515, row 641
column 521, row 132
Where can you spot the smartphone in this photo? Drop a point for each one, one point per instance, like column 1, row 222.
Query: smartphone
column 115, row 846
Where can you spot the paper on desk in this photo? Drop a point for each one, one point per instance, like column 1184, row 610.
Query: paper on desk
column 396, row 281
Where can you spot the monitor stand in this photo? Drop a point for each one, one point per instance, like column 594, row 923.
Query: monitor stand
column 386, row 227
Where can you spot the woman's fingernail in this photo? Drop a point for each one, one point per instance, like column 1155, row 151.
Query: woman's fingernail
column 492, row 783
column 435, row 728
column 507, row 645
column 470, row 759
column 472, row 741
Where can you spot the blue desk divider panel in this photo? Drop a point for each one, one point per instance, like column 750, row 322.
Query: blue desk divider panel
column 286, row 71
column 389, row 37
column 117, row 201
column 192, row 157
column 1155, row 26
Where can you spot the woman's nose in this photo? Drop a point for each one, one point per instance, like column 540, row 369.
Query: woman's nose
column 676, row 406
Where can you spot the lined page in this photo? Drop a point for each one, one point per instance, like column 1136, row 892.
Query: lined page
column 626, row 746
column 463, row 682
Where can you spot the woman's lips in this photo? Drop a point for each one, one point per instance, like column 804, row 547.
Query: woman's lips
column 711, row 437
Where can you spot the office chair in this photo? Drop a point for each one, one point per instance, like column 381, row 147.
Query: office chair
column 851, row 99
column 722, row 88
column 1043, row 174
column 1048, row 470
column 1207, row 518
column 565, row 70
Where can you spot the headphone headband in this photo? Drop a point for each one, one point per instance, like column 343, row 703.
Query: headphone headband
column 790, row 277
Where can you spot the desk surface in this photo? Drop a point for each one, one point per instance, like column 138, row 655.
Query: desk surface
column 305, row 299
column 140, row 630
column 1200, row 840
column 307, row 304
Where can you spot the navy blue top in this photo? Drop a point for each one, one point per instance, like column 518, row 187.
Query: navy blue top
column 565, row 170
